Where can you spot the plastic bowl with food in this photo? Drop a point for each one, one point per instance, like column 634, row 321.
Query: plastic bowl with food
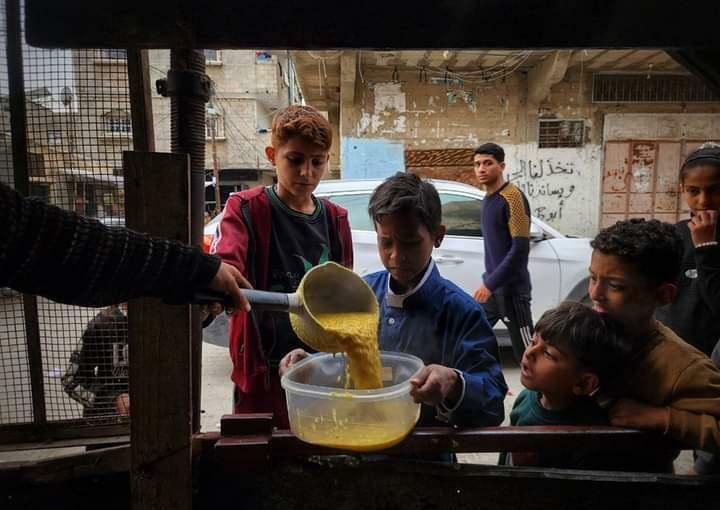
column 323, row 412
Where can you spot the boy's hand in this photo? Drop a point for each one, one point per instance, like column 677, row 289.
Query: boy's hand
column 702, row 227
column 434, row 384
column 637, row 415
column 290, row 359
column 122, row 404
column 229, row 280
column 482, row 294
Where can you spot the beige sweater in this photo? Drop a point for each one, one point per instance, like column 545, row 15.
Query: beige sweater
column 673, row 374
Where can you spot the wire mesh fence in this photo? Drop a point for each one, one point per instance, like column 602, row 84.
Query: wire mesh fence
column 77, row 125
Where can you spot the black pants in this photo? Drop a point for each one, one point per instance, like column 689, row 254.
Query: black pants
column 514, row 311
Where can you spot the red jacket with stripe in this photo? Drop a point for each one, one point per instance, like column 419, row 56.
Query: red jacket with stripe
column 243, row 240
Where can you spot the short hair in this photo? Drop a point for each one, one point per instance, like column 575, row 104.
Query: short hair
column 653, row 248
column 406, row 192
column 707, row 154
column 304, row 122
column 491, row 149
column 595, row 340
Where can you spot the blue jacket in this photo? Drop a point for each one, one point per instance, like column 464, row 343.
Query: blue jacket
column 441, row 324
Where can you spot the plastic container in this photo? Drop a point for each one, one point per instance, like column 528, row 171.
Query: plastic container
column 323, row 412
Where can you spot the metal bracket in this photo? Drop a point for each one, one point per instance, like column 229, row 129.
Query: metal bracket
column 185, row 83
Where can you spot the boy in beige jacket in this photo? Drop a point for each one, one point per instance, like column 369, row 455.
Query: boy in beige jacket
column 671, row 387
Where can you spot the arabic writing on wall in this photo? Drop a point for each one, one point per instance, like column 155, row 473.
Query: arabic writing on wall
column 547, row 181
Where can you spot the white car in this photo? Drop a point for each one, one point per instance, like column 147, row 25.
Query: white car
column 558, row 264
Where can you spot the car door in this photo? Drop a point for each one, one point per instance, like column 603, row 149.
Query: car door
column 460, row 257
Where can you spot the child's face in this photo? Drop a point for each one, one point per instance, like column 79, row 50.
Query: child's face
column 487, row 168
column 615, row 288
column 701, row 188
column 551, row 371
column 405, row 246
column 299, row 165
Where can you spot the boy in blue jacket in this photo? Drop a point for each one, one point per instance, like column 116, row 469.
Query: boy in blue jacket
column 423, row 314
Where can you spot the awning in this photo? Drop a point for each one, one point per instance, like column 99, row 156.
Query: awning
column 97, row 177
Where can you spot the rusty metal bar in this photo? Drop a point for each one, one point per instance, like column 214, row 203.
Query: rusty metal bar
column 187, row 118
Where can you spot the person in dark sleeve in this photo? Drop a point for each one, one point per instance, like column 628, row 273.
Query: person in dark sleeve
column 97, row 376
column 694, row 314
column 505, row 289
column 71, row 259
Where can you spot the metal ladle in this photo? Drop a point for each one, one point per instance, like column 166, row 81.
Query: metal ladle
column 328, row 288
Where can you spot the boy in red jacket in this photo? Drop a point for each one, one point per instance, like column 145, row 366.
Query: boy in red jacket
column 274, row 235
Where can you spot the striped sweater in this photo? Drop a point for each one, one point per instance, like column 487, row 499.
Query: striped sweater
column 71, row 259
column 506, row 234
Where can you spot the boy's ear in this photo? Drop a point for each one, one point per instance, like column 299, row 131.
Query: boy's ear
column 439, row 236
column 665, row 294
column 588, row 382
column 270, row 153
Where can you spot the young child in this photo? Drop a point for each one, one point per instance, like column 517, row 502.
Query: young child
column 273, row 235
column 423, row 314
column 670, row 387
column 573, row 352
column 695, row 313
column 97, row 376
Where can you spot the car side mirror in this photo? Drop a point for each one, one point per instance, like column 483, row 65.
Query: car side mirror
column 536, row 233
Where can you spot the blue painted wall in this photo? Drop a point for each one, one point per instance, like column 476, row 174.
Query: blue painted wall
column 371, row 158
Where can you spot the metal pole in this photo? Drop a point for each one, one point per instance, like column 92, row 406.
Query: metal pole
column 216, row 169
column 18, row 126
column 188, row 136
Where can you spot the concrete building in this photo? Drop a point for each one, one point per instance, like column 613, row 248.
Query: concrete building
column 250, row 86
column 591, row 136
column 70, row 161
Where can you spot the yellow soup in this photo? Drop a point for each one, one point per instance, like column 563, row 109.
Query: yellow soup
column 346, row 425
column 356, row 334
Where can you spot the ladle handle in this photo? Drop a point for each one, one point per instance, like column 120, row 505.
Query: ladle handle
column 259, row 299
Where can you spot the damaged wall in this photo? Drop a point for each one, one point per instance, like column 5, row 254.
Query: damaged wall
column 433, row 119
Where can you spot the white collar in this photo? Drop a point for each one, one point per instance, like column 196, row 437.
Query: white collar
column 397, row 300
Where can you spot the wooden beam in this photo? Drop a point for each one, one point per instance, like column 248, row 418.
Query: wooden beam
column 409, row 24
column 545, row 74
column 605, row 60
column 262, row 444
column 157, row 191
column 67, row 443
column 115, row 459
column 140, row 100
column 58, row 431
column 636, row 60
column 345, row 482
column 705, row 64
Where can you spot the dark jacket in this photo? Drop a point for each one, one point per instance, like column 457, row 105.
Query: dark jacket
column 695, row 313
column 71, row 259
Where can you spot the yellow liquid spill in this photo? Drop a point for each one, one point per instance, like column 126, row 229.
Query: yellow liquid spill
column 356, row 335
column 355, row 426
